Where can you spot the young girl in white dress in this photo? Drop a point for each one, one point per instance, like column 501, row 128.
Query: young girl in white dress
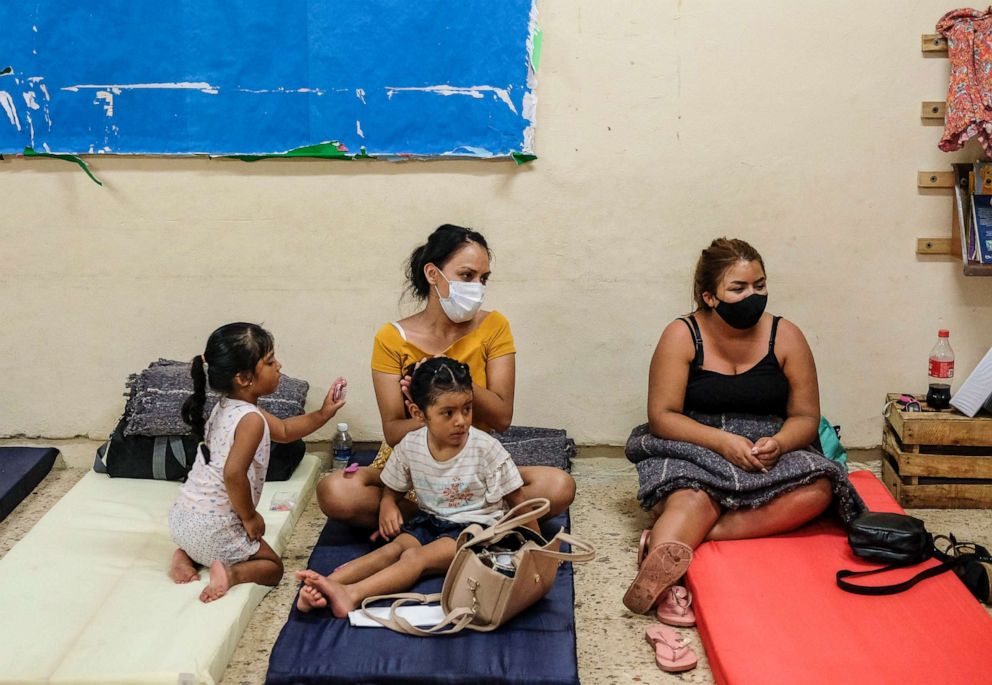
column 214, row 521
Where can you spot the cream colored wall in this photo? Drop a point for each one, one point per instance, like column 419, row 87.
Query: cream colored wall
column 661, row 124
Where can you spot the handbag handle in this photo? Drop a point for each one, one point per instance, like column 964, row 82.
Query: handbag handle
column 876, row 590
column 586, row 552
column 457, row 618
column 539, row 506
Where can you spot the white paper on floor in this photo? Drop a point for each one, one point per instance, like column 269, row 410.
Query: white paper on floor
column 421, row 615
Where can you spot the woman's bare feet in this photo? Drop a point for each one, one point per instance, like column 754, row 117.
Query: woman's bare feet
column 337, row 594
column 310, row 597
column 219, row 583
column 182, row 569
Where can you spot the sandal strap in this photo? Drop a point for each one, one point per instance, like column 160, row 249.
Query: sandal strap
column 679, row 599
column 678, row 650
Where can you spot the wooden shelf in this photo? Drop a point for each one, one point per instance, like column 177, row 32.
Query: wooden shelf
column 932, row 111
column 971, row 269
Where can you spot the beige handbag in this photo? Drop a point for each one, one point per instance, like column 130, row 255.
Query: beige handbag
column 497, row 572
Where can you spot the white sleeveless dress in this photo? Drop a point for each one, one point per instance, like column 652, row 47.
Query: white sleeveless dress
column 202, row 521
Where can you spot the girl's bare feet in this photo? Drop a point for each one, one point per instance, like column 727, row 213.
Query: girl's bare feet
column 182, row 569
column 310, row 598
column 219, row 583
column 336, row 593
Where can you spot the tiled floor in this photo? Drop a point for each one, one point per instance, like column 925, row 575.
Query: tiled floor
column 604, row 512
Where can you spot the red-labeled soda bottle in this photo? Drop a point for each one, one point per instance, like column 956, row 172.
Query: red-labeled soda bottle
column 942, row 358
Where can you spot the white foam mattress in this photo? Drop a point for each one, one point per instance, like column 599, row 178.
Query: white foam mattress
column 85, row 596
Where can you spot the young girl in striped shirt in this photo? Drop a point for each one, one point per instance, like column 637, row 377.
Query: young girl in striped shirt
column 460, row 474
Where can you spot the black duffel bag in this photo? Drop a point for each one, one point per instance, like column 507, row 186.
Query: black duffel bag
column 171, row 457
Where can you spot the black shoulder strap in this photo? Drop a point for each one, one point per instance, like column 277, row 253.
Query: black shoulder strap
column 895, row 588
column 771, row 340
column 697, row 339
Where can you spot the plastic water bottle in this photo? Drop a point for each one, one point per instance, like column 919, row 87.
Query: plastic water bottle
column 942, row 358
column 341, row 446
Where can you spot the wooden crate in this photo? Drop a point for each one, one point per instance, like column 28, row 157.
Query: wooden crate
column 937, row 459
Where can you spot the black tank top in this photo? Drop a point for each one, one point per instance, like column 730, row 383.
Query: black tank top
column 763, row 389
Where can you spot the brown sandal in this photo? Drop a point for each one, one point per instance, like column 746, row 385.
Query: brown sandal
column 642, row 547
column 664, row 565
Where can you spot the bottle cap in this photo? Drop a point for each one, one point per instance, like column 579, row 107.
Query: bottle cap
column 343, row 427
column 943, row 333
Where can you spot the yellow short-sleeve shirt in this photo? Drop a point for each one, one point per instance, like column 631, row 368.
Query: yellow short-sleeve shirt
column 392, row 352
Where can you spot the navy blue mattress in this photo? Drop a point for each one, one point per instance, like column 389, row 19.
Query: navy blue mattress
column 21, row 469
column 537, row 647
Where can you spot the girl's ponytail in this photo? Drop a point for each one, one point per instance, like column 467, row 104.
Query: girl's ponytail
column 193, row 406
column 233, row 348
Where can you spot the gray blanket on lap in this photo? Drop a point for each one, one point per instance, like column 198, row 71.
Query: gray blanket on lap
column 664, row 466
column 538, row 446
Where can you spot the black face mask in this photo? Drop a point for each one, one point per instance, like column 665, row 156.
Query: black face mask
column 744, row 313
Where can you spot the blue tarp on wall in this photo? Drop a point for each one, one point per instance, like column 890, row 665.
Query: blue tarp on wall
column 395, row 77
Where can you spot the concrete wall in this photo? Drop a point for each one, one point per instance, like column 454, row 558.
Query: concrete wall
column 661, row 124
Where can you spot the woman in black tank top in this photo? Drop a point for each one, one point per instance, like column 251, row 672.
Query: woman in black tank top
column 733, row 407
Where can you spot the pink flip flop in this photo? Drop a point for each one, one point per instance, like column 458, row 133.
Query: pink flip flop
column 672, row 653
column 675, row 607
column 663, row 565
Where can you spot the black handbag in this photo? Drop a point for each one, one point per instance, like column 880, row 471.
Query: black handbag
column 890, row 538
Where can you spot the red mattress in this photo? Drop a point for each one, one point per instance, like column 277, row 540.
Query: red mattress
column 769, row 611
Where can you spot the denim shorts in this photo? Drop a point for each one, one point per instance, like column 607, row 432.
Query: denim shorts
column 428, row 528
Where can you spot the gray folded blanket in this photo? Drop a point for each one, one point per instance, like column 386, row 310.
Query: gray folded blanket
column 538, row 446
column 157, row 395
column 664, row 466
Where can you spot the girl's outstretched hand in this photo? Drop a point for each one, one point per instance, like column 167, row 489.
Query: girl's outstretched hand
column 255, row 526
column 334, row 399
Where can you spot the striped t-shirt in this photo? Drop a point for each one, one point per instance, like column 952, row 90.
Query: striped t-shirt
column 468, row 488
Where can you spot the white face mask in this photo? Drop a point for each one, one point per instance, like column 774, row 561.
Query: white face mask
column 463, row 300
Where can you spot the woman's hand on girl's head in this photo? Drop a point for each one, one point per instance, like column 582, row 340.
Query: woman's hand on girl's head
column 331, row 405
column 738, row 451
column 406, row 379
column 405, row 390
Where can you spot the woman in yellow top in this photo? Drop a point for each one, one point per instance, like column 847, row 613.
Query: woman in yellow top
column 449, row 272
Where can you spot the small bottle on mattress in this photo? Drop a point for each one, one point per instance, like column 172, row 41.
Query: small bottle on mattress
column 341, row 446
